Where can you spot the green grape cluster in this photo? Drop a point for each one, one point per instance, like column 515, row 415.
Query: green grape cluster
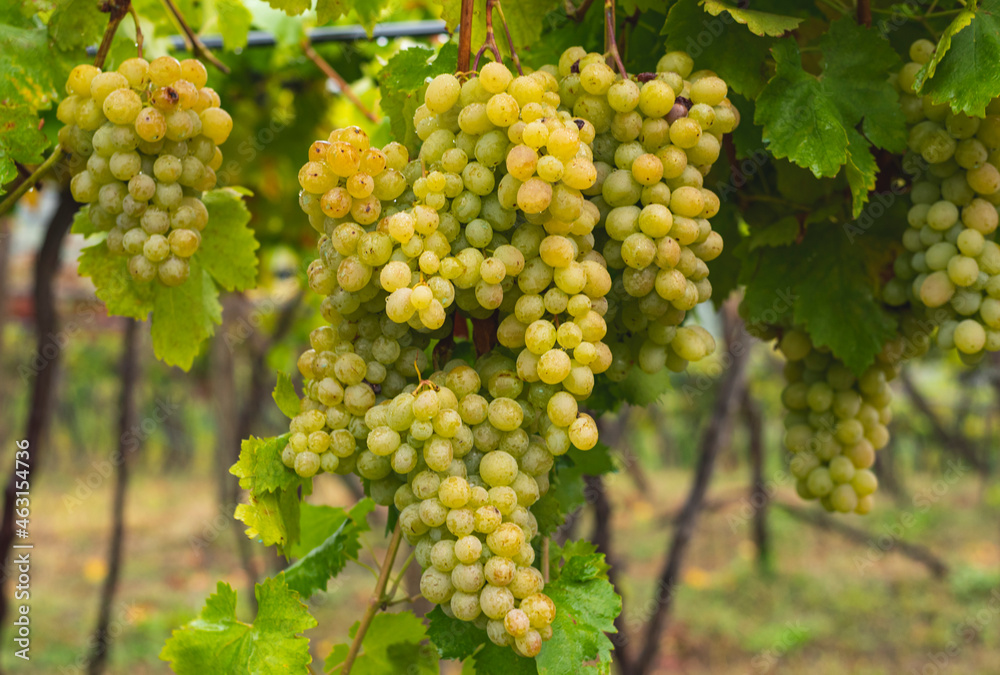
column 505, row 218
column 144, row 145
column 835, row 422
column 657, row 136
column 951, row 263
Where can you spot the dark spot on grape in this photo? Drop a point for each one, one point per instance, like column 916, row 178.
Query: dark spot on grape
column 575, row 68
column 645, row 77
column 686, row 102
column 580, row 124
column 377, row 388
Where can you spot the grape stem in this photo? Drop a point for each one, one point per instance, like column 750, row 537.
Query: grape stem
column 506, row 29
column 577, row 13
column 375, row 602
column 465, row 35
column 138, row 30
column 332, row 74
column 865, row 13
column 609, row 27
column 197, row 46
column 491, row 40
column 117, row 10
column 545, row 559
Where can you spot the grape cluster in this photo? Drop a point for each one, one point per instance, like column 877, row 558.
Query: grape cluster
column 835, row 421
column 951, row 263
column 505, row 218
column 657, row 136
column 144, row 144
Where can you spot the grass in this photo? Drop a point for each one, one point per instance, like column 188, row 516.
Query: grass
column 821, row 610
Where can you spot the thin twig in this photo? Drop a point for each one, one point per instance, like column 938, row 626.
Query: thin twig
column 332, row 74
column 30, row 181
column 510, row 40
column 609, row 19
column 197, row 46
column 374, row 602
column 399, row 576
column 577, row 13
column 491, row 40
column 138, row 30
column 545, row 559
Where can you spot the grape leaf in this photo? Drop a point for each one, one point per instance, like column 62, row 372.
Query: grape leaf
column 495, row 660
column 318, row 522
column 33, row 71
column 719, row 44
column 779, row 233
column 184, row 316
column 392, row 645
column 113, row 284
column 77, row 23
column 82, row 224
column 759, row 23
column 402, row 86
column 963, row 72
column 228, row 245
column 296, row 7
column 861, row 170
column 586, row 607
column 823, row 284
column 259, row 466
column 217, row 642
column 368, row 12
column 271, row 517
column 319, row 563
column 20, row 137
column 234, row 21
column 808, row 119
column 286, row 398
column 454, row 638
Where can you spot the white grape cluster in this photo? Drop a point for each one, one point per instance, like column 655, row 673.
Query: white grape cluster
column 502, row 218
column 144, row 144
column 951, row 263
column 657, row 136
column 835, row 422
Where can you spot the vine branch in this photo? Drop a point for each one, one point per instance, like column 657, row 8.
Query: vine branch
column 332, row 74
column 510, row 40
column 138, row 29
column 609, row 35
column 491, row 40
column 865, row 13
column 465, row 35
column 375, row 602
column 197, row 46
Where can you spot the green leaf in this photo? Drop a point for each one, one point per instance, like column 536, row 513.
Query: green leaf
column 219, row 643
column 293, row 7
column 286, row 398
column 121, row 295
column 322, row 562
column 77, row 23
column 454, row 638
column 271, row 517
column 228, row 244
column 20, row 136
column 82, row 224
column 495, row 660
column 586, row 607
column 184, row 316
column 861, row 170
column 392, row 645
column 759, row 23
column 234, row 21
column 963, row 72
column 259, row 467
column 34, row 71
column 811, row 120
column 779, row 233
column 319, row 522
column 719, row 44
column 402, row 84
column 821, row 283
column 368, row 12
